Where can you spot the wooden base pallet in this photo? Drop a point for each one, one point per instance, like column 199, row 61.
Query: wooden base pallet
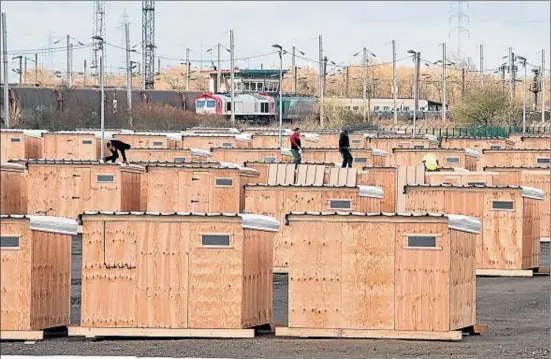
column 22, row 335
column 542, row 270
column 96, row 332
column 544, row 240
column 454, row 335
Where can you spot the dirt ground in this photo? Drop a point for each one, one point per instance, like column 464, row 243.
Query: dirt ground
column 516, row 310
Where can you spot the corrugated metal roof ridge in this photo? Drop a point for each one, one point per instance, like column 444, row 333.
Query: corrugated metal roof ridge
column 15, row 216
column 189, row 165
column 515, row 149
column 140, row 213
column 291, row 163
column 442, row 149
column 369, row 214
column 520, row 167
column 300, row 185
column 474, row 138
column 464, row 186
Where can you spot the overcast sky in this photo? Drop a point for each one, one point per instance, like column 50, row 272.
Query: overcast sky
column 345, row 26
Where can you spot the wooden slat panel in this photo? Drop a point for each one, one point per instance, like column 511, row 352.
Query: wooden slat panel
column 289, row 174
column 302, row 174
column 319, row 175
column 272, row 174
column 334, row 176
column 352, row 175
column 281, row 173
column 342, row 176
column 463, row 280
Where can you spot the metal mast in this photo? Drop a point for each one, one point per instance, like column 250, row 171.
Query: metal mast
column 148, row 43
column 460, row 25
column 99, row 31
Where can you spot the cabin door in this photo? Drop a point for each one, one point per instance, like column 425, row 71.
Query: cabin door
column 80, row 193
column 200, row 189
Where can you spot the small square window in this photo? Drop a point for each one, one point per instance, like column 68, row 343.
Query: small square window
column 542, row 161
column 179, row 159
column 224, row 182
column 452, row 160
column 86, row 142
column 9, row 242
column 269, row 159
column 502, row 205
column 215, row 240
column 227, row 144
column 157, row 144
column 422, row 241
column 340, row 204
column 15, row 140
column 360, row 160
column 105, row 178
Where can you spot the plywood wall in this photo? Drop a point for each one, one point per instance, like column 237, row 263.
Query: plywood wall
column 193, row 190
column 461, row 178
column 531, row 233
column 534, row 142
column 169, row 280
column 51, row 280
column 513, row 158
column 207, row 142
column 11, row 150
column 476, row 143
column 156, row 154
column 540, row 179
column 387, row 144
column 143, row 141
column 385, row 177
column 69, row 146
column 13, row 190
column 15, row 274
column 33, row 147
column 242, row 155
column 462, row 279
column 415, row 157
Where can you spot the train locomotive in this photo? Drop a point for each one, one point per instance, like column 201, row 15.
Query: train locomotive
column 256, row 108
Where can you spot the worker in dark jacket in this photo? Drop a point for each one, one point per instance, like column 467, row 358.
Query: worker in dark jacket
column 344, row 148
column 114, row 146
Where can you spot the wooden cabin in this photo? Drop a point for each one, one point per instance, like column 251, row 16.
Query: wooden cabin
column 213, row 188
column 537, row 177
column 64, row 188
column 477, row 143
column 447, row 157
column 509, row 241
column 150, row 139
column 208, row 140
column 242, row 155
column 20, row 144
column 140, row 155
column 511, row 157
column 387, row 143
column 13, row 188
column 199, row 275
column 278, row 200
column 206, row 129
column 535, row 141
column 356, row 275
column 35, row 275
column 462, row 177
column 71, row 145
column 271, row 139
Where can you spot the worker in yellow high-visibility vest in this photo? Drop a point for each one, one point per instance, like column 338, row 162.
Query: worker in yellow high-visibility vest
column 430, row 162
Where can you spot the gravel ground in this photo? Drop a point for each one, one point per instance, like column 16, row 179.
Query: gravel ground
column 516, row 310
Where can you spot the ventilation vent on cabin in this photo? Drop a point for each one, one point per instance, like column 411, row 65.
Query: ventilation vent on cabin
column 476, row 183
column 495, row 147
column 356, row 141
column 340, row 204
column 418, row 147
column 360, row 159
column 9, row 242
column 227, row 144
column 15, row 140
column 421, row 241
column 452, row 160
column 86, row 142
column 542, row 161
column 215, row 240
column 269, row 159
column 502, row 205
column 179, row 159
column 157, row 144
column 105, row 178
column 224, row 182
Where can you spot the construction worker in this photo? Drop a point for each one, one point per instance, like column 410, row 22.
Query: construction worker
column 296, row 146
column 114, row 146
column 344, row 148
column 430, row 162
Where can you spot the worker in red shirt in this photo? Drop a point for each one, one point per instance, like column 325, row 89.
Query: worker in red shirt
column 296, row 147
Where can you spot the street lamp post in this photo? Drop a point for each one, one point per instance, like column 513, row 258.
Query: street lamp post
column 523, row 62
column 280, row 51
column 102, row 97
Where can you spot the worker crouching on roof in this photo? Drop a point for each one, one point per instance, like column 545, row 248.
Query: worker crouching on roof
column 114, row 146
column 344, row 148
column 296, row 146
